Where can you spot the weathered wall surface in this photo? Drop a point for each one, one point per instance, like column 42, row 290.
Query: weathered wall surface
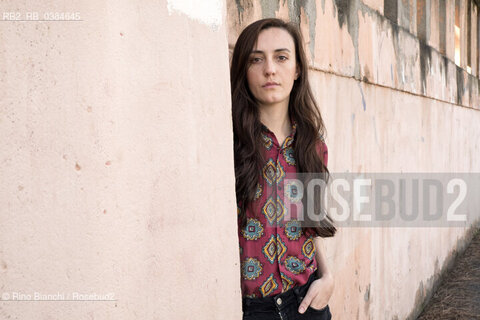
column 394, row 101
column 116, row 162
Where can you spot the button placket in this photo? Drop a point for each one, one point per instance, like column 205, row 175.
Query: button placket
column 276, row 192
column 279, row 185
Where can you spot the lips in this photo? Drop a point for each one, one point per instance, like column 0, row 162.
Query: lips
column 270, row 84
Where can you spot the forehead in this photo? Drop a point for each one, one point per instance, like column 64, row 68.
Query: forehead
column 274, row 38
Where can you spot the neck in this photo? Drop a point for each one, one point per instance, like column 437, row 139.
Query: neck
column 276, row 118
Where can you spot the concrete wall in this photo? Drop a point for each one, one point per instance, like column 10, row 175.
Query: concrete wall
column 393, row 102
column 116, row 162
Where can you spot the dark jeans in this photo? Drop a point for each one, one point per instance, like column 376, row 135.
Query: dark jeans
column 284, row 306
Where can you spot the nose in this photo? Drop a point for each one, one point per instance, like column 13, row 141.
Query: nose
column 269, row 67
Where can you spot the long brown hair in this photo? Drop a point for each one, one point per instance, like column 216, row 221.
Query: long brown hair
column 248, row 144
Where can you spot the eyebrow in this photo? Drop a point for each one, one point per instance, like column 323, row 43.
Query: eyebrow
column 276, row 50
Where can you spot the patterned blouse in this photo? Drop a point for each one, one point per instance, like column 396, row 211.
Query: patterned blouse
column 276, row 255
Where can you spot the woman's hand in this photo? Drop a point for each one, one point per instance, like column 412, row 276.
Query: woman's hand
column 318, row 293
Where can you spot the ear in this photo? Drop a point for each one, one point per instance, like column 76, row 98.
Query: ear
column 297, row 73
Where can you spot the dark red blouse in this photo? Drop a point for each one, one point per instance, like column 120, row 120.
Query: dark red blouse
column 276, row 255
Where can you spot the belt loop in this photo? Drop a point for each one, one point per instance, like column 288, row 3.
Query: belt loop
column 301, row 291
column 296, row 290
column 296, row 294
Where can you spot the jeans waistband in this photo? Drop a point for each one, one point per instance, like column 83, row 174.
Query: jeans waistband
column 280, row 300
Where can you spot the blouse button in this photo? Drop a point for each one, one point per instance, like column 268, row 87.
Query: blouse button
column 279, row 301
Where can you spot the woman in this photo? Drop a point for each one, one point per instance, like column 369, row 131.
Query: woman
column 278, row 132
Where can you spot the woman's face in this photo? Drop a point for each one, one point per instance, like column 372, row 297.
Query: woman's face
column 273, row 69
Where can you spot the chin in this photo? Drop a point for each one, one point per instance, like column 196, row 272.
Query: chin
column 267, row 102
column 271, row 100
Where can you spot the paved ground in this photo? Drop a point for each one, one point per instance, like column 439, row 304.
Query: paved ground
column 458, row 296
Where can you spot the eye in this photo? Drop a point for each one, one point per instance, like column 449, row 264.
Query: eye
column 255, row 60
column 282, row 58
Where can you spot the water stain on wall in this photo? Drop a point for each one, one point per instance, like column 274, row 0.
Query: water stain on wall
column 425, row 61
column 269, row 8
column 295, row 7
column 460, row 88
column 310, row 9
column 347, row 14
